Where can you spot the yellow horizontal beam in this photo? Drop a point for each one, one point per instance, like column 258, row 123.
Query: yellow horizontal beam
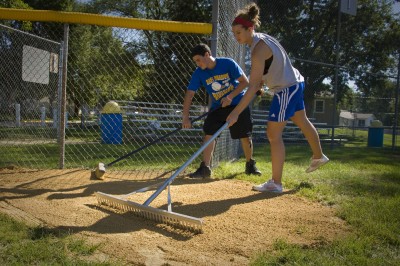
column 103, row 20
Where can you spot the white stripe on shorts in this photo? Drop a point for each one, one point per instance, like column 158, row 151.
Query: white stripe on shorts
column 284, row 99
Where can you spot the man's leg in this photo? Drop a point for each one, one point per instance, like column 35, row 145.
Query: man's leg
column 208, row 151
column 247, row 146
column 204, row 171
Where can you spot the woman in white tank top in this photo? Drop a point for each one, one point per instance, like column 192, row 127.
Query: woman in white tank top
column 270, row 65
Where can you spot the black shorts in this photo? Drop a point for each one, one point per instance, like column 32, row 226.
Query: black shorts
column 216, row 119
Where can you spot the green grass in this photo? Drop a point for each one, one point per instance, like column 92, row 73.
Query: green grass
column 23, row 245
column 363, row 184
column 27, row 155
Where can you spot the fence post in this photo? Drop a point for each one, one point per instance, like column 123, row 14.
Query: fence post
column 55, row 118
column 17, row 115
column 214, row 36
column 335, row 89
column 396, row 105
column 61, row 140
column 43, row 116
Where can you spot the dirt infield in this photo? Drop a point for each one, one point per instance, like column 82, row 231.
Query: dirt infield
column 238, row 222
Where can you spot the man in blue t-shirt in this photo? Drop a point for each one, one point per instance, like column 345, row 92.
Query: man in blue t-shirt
column 225, row 82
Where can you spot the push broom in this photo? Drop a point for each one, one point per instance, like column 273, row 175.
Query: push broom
column 100, row 170
column 163, row 216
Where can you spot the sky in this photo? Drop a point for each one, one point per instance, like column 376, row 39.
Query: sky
column 396, row 7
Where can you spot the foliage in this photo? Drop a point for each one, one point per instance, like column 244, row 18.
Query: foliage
column 166, row 55
column 14, row 4
column 90, row 78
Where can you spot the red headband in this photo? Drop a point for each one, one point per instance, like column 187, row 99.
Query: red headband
column 244, row 22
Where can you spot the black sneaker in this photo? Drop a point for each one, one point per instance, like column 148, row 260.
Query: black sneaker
column 251, row 168
column 202, row 172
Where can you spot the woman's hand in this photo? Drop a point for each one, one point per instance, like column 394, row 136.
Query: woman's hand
column 232, row 118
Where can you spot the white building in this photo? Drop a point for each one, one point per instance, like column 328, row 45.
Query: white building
column 350, row 119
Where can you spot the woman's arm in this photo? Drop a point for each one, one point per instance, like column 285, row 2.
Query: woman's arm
column 260, row 53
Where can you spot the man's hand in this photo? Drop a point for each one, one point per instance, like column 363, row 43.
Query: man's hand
column 186, row 123
column 226, row 101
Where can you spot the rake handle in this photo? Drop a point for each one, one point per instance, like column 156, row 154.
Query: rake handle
column 191, row 159
column 155, row 141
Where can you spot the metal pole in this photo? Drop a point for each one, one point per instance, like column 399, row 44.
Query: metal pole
column 189, row 161
column 61, row 139
column 214, row 36
column 336, row 74
column 396, row 106
column 17, row 115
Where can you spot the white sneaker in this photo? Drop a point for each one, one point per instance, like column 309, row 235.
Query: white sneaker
column 317, row 163
column 269, row 186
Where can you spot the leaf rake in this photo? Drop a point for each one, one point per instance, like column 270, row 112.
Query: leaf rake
column 163, row 216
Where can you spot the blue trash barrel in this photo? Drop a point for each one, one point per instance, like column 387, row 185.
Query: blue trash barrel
column 375, row 137
column 111, row 124
column 111, row 128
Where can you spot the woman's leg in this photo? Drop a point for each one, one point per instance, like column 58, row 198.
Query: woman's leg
column 309, row 131
column 274, row 133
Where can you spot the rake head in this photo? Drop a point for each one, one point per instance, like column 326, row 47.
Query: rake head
column 162, row 216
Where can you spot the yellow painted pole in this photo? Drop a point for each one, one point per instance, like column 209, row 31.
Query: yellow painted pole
column 103, row 20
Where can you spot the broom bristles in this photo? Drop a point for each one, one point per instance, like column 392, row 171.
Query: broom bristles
column 99, row 171
column 171, row 218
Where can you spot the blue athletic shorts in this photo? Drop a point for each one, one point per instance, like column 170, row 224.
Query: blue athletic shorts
column 286, row 102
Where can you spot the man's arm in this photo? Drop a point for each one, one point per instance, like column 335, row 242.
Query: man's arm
column 243, row 83
column 186, row 108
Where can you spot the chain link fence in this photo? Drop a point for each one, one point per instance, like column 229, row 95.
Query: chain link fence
column 29, row 98
column 125, row 88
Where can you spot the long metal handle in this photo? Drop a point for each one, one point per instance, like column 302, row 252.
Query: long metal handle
column 191, row 159
column 155, row 141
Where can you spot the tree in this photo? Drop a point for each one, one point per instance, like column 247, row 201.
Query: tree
column 98, row 67
column 166, row 55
